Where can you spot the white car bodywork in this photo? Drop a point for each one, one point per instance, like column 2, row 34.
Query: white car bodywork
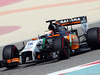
column 33, row 47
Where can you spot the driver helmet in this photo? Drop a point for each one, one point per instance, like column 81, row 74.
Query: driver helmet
column 49, row 33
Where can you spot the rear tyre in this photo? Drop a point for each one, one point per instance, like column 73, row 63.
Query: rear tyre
column 61, row 45
column 10, row 52
column 93, row 38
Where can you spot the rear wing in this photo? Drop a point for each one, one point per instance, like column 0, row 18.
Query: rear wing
column 76, row 20
column 73, row 21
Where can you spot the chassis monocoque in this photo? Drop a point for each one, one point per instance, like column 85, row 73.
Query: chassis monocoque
column 59, row 45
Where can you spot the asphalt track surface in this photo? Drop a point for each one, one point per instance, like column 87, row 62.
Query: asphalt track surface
column 53, row 66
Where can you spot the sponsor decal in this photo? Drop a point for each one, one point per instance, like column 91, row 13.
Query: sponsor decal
column 30, row 44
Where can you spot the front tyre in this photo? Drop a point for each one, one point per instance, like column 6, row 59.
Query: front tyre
column 24, row 57
column 61, row 46
column 10, row 52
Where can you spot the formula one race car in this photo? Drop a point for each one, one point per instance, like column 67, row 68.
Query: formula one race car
column 59, row 42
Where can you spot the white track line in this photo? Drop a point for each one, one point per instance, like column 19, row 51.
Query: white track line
column 74, row 68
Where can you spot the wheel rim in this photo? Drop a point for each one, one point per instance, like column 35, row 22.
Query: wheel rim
column 64, row 47
column 99, row 34
column 15, row 52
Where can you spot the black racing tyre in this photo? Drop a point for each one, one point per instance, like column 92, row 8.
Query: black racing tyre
column 10, row 52
column 61, row 45
column 93, row 38
column 24, row 57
